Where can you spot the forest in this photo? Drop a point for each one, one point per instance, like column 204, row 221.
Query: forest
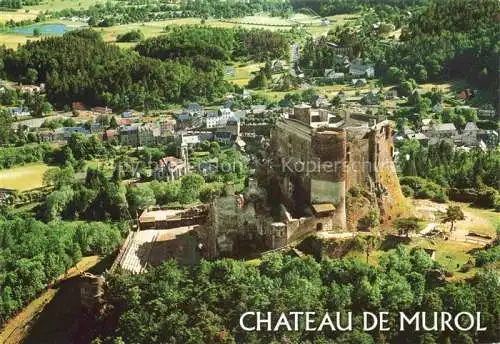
column 16, row 4
column 216, row 43
column 80, row 66
column 332, row 7
column 123, row 12
column 34, row 254
column 185, row 64
column 14, row 156
column 448, row 168
column 203, row 304
column 444, row 38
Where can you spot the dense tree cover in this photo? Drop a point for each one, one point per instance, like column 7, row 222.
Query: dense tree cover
column 87, row 147
column 331, row 7
column 317, row 56
column 95, row 199
column 80, row 66
column 422, row 188
column 450, row 167
column 17, row 4
column 6, row 132
column 203, row 304
column 13, row 156
column 122, row 12
column 448, row 39
column 203, row 42
column 490, row 255
column 33, row 253
column 236, row 8
column 441, row 167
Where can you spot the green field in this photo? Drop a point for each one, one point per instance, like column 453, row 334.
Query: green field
column 22, row 178
column 242, row 73
column 13, row 39
column 17, row 15
column 57, row 5
column 30, row 12
column 451, row 255
column 152, row 29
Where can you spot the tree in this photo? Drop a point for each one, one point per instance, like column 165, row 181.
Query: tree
column 113, row 124
column 78, row 145
column 259, row 81
column 190, row 188
column 68, row 158
column 31, row 76
column 407, row 226
column 140, row 198
column 214, row 147
column 453, row 213
column 56, row 203
column 5, row 127
column 395, row 75
column 210, row 191
column 368, row 244
column 131, row 36
column 58, row 177
column 46, row 107
column 92, row 21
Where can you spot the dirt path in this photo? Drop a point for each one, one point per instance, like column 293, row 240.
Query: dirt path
column 475, row 221
column 18, row 328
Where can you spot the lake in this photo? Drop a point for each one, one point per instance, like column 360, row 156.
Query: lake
column 45, row 29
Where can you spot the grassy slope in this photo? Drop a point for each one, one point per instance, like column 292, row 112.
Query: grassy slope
column 18, row 328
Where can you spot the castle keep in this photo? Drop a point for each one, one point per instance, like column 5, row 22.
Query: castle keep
column 318, row 156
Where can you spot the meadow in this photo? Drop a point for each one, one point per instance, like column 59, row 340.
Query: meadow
column 23, row 178
column 154, row 28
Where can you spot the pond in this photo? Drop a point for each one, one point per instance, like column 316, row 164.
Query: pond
column 45, row 29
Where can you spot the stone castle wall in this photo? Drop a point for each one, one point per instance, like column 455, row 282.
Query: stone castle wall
column 328, row 184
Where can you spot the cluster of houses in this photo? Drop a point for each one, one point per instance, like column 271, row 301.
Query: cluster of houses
column 343, row 69
column 471, row 136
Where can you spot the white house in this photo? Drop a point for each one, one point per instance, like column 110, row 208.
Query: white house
column 212, row 120
column 218, row 119
column 19, row 112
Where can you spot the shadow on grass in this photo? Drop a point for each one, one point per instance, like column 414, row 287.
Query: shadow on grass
column 391, row 241
column 63, row 320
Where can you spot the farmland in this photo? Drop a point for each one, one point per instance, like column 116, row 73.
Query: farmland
column 154, row 28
